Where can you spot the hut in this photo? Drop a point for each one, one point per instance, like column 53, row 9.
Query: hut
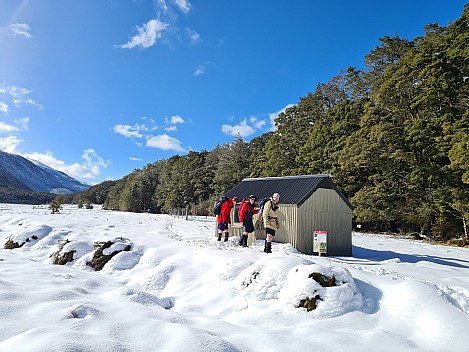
column 308, row 204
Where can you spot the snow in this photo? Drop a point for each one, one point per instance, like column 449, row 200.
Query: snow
column 178, row 289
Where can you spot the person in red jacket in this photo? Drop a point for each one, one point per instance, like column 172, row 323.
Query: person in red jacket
column 246, row 211
column 224, row 219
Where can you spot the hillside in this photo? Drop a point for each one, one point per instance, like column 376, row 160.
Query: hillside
column 21, row 173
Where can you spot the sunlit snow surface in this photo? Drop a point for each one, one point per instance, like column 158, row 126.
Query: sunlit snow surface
column 178, row 289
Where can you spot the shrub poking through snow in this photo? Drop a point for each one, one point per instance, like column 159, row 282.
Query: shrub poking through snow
column 10, row 244
column 55, row 206
column 104, row 251
column 310, row 303
column 323, row 280
column 63, row 258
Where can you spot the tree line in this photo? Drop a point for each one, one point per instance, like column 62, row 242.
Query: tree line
column 394, row 136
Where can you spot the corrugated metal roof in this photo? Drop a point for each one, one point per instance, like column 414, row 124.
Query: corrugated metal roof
column 292, row 189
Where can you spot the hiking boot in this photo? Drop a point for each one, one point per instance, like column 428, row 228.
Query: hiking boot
column 244, row 241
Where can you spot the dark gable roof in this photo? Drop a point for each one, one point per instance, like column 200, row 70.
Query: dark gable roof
column 292, row 189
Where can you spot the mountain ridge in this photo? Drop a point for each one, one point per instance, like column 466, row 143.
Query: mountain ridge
column 19, row 172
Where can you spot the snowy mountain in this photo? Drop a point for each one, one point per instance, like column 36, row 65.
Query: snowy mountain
column 19, row 172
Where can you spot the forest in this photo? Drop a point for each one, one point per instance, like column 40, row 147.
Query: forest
column 394, row 135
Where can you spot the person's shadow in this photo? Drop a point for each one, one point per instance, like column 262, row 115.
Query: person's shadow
column 377, row 256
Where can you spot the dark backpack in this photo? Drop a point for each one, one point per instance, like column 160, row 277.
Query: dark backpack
column 261, row 205
column 218, row 204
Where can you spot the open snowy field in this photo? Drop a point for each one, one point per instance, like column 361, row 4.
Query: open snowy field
column 173, row 287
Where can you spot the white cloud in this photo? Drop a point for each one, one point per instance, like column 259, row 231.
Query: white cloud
column 202, row 68
column 165, row 142
column 19, row 96
column 3, row 107
column 6, row 128
column 193, row 35
column 258, row 124
column 135, row 159
column 199, row 71
column 130, row 131
column 243, row 129
column 14, row 92
column 183, row 5
column 162, row 5
column 177, row 119
column 10, row 144
column 23, row 123
column 20, row 29
column 89, row 169
column 274, row 115
column 20, row 124
column 147, row 34
column 33, row 103
column 171, row 129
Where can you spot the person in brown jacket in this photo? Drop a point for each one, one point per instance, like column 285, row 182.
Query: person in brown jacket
column 269, row 216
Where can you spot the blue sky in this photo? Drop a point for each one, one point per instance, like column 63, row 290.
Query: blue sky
column 97, row 88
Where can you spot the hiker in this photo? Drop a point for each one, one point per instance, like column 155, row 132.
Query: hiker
column 236, row 206
column 269, row 216
column 224, row 218
column 246, row 211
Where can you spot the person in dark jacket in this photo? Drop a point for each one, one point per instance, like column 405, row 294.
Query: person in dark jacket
column 247, row 210
column 224, row 219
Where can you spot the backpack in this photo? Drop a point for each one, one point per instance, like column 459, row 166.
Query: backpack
column 261, row 206
column 242, row 209
column 218, row 203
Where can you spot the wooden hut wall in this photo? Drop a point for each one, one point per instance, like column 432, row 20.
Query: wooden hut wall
column 287, row 216
column 325, row 211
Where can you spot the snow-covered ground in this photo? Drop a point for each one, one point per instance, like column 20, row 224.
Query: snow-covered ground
column 178, row 289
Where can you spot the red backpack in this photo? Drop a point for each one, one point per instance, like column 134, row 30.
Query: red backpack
column 242, row 209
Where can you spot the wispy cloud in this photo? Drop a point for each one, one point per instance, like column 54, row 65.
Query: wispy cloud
column 20, row 29
column 3, row 107
column 20, row 124
column 274, row 115
column 243, row 129
column 19, row 96
column 147, row 35
column 193, row 36
column 6, row 128
column 176, row 119
column 199, row 70
column 23, row 123
column 135, row 159
column 258, row 124
column 165, row 142
column 164, row 21
column 90, row 168
column 10, row 144
column 130, row 131
column 202, row 68
column 183, row 5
